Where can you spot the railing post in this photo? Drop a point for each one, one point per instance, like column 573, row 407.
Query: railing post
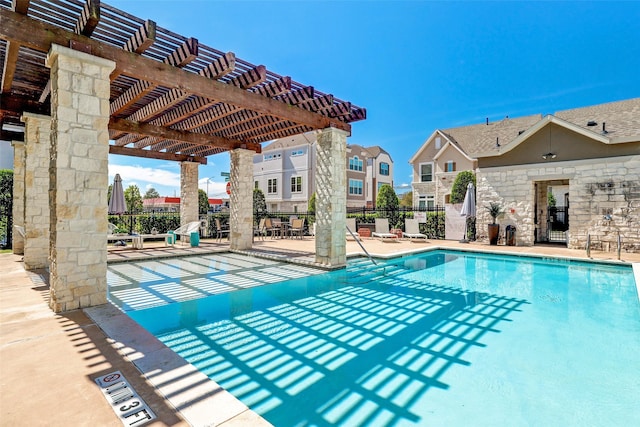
column 588, row 245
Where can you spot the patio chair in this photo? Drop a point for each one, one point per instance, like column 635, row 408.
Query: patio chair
column 261, row 229
column 382, row 231
column 184, row 231
column 221, row 231
column 297, row 228
column 413, row 231
column 270, row 228
column 352, row 234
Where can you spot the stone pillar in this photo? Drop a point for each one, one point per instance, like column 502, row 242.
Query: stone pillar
column 37, row 140
column 331, row 197
column 188, row 192
column 78, row 178
column 18, row 196
column 241, row 199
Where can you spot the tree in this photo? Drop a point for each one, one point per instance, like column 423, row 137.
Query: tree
column 151, row 193
column 133, row 198
column 203, row 202
column 459, row 188
column 311, row 207
column 259, row 202
column 387, row 198
column 6, row 205
column 406, row 201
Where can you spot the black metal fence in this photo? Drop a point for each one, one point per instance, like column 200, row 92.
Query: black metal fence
column 433, row 227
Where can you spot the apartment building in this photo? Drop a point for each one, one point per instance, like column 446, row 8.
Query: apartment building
column 285, row 172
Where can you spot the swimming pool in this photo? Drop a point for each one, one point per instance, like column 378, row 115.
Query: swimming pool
column 441, row 338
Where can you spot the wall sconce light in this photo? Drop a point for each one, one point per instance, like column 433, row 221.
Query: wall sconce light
column 549, row 156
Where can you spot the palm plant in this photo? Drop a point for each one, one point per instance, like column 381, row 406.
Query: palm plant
column 494, row 210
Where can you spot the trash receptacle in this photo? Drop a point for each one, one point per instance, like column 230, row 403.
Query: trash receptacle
column 195, row 239
column 510, row 237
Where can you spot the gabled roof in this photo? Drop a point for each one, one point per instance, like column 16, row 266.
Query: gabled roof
column 455, row 146
column 376, row 150
column 492, row 136
column 620, row 119
column 426, row 143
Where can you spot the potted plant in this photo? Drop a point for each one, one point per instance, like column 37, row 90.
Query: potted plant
column 494, row 210
column 397, row 230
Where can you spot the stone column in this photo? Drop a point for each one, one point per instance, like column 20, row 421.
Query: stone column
column 78, row 178
column 331, row 197
column 241, row 199
column 188, row 192
column 18, row 196
column 37, row 137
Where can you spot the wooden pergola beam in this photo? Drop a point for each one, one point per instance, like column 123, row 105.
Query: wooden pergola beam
column 191, row 137
column 11, row 57
column 135, row 152
column 40, row 36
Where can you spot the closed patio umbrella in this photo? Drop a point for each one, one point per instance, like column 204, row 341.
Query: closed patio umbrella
column 117, row 204
column 468, row 208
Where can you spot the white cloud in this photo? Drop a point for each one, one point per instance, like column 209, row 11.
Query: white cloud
column 134, row 174
column 216, row 189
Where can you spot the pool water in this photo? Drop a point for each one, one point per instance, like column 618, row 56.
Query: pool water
column 441, row 339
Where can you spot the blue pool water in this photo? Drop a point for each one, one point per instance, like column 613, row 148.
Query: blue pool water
column 438, row 339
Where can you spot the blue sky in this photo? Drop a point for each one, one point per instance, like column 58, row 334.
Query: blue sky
column 414, row 65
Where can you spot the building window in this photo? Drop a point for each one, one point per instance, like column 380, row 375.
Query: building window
column 272, row 186
column 275, row 156
column 298, row 152
column 450, row 167
column 255, row 184
column 431, row 202
column 384, row 169
column 355, row 187
column 422, row 202
column 426, row 172
column 355, row 164
column 438, row 143
column 296, row 184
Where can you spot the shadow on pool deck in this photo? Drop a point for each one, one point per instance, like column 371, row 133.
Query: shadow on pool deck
column 50, row 361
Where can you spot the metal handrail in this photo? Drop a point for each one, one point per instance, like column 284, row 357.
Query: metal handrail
column 360, row 243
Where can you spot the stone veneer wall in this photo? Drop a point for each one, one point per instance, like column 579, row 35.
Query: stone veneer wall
column 331, row 197
column 597, row 188
column 37, row 138
column 188, row 192
column 17, row 241
column 78, row 178
column 241, row 199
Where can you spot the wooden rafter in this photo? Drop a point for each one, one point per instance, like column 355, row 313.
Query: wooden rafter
column 40, row 35
column 220, row 67
column 89, row 18
column 143, row 39
column 155, row 155
column 191, row 137
column 11, row 57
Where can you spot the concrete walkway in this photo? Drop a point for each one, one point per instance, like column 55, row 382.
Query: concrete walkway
column 49, row 362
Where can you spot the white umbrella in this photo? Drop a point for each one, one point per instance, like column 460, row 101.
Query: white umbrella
column 117, row 204
column 468, row 208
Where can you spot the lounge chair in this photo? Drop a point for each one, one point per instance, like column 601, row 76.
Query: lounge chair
column 221, row 231
column 184, row 231
column 352, row 234
column 413, row 230
column 382, row 231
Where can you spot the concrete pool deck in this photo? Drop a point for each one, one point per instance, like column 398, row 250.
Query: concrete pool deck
column 48, row 361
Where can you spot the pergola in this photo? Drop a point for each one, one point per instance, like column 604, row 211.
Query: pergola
column 83, row 79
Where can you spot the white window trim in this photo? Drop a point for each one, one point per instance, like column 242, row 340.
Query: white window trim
column 420, row 171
